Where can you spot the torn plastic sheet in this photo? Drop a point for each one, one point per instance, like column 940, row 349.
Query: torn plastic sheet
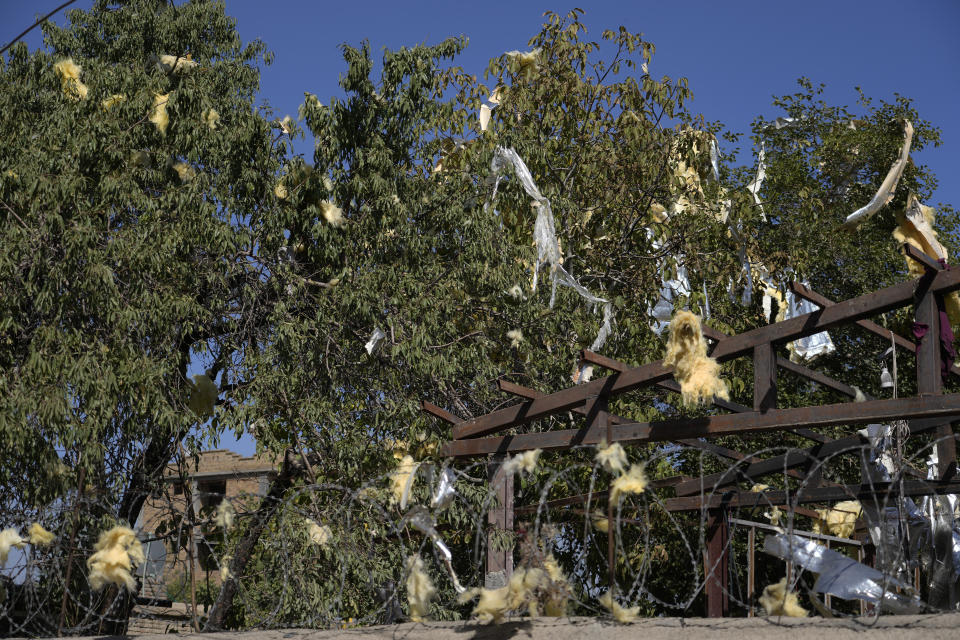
column 445, row 492
column 670, row 290
column 811, row 346
column 714, row 160
column 889, row 185
column 375, row 338
column 421, row 520
column 841, row 576
column 756, row 184
column 548, row 248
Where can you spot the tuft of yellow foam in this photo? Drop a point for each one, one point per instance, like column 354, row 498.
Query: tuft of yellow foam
column 225, row 514
column 401, row 477
column 117, row 551
column 320, row 535
column 211, row 118
column 526, row 461
column 633, row 481
column 915, row 226
column 840, row 521
column 420, row 590
column 777, row 601
column 516, row 337
column 203, row 395
column 698, row 374
column 623, row 615
column 40, row 537
column 69, row 72
column 9, row 538
column 112, row 101
column 158, row 113
column 600, row 521
column 528, row 61
column 332, row 213
column 176, row 64
column 612, row 458
column 184, row 171
column 225, row 567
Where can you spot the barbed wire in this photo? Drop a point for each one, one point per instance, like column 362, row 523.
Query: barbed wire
column 414, row 544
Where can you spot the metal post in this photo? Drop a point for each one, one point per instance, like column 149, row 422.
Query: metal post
column 715, row 566
column 764, row 377
column 929, row 381
column 751, row 579
column 500, row 562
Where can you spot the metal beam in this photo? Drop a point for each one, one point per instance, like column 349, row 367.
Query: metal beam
column 801, row 326
column 751, row 500
column 847, row 413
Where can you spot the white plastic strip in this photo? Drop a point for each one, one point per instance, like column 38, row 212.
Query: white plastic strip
column 889, row 185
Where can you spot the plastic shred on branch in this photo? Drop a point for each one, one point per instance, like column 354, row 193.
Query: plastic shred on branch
column 888, row 187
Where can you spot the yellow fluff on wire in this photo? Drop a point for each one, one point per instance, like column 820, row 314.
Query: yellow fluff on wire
column 40, row 537
column 777, row 601
column 526, row 461
column 420, row 590
column 698, row 374
column 521, row 591
column 203, row 395
column 633, row 481
column 320, row 535
column 623, row 615
column 69, row 72
column 612, row 458
column 9, row 538
column 117, row 551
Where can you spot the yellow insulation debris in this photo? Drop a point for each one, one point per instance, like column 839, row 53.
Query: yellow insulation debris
column 112, row 101
column 225, row 514
column 401, row 477
column 211, row 118
column 698, row 374
column 839, row 521
column 526, row 462
column 40, row 537
column 203, row 395
column 320, row 535
column 623, row 615
column 420, row 590
column 332, row 213
column 915, row 226
column 520, row 592
column 158, row 113
column 777, row 601
column 9, row 538
column 177, row 64
column 69, row 72
column 600, row 521
column 117, row 551
column 633, row 481
column 612, row 458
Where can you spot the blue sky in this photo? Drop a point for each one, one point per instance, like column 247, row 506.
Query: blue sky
column 736, row 54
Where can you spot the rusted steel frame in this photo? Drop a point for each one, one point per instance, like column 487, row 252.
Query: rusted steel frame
column 929, row 380
column 716, row 566
column 792, row 459
column 500, row 517
column 671, row 385
column 919, row 256
column 719, row 425
column 764, row 377
column 793, row 367
column 801, row 326
column 723, row 452
column 819, row 299
column 596, row 495
column 751, row 500
column 443, row 414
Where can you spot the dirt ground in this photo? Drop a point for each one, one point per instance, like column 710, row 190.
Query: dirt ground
column 926, row 627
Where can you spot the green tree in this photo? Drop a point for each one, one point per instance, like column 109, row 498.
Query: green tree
column 136, row 177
